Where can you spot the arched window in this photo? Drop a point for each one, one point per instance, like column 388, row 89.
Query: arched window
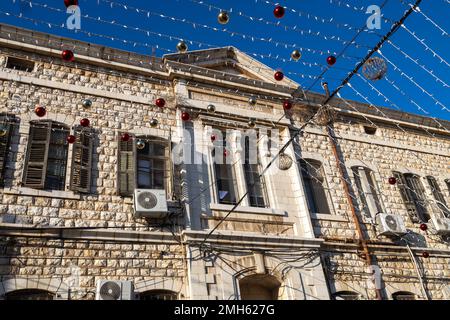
column 158, row 295
column 403, row 295
column 413, row 195
column 367, row 190
column 345, row 295
column 143, row 168
column 316, row 187
column 46, row 159
column 29, row 294
column 259, row 287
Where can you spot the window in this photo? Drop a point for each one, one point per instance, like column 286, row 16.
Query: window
column 224, row 172
column 29, row 294
column 46, row 159
column 367, row 190
column 370, row 130
column 6, row 129
column 447, row 182
column 19, row 64
column 146, row 168
column 438, row 196
column 256, row 187
column 413, row 195
column 315, row 185
column 345, row 295
column 403, row 295
column 259, row 287
column 158, row 295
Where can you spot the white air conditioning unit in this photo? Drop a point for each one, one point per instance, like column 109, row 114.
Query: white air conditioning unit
column 442, row 225
column 150, row 203
column 390, row 225
column 115, row 290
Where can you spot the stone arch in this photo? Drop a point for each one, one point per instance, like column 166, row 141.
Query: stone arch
column 167, row 284
column 53, row 285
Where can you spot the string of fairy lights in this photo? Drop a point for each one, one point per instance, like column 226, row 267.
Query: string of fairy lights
column 373, row 72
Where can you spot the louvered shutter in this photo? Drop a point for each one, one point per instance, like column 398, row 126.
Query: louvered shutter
column 406, row 196
column 37, row 152
column 81, row 169
column 4, row 148
column 126, row 164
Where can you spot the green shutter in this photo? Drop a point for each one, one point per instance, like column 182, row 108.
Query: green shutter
column 126, row 167
column 81, row 168
column 4, row 147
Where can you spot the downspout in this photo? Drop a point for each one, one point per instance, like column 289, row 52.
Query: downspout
column 361, row 238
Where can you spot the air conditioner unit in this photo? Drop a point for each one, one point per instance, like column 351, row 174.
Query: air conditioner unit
column 115, row 290
column 150, row 203
column 390, row 225
column 442, row 225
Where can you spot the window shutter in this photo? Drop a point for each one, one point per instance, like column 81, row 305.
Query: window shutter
column 81, row 169
column 407, row 199
column 4, row 148
column 126, row 164
column 37, row 152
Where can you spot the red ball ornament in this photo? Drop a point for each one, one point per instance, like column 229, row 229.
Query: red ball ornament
column 278, row 12
column 185, row 116
column 213, row 138
column 125, row 137
column 225, row 152
column 423, row 226
column 392, row 180
column 69, row 3
column 84, row 122
column 40, row 111
column 287, row 105
column 331, row 60
column 425, row 254
column 71, row 138
column 68, row 55
column 278, row 75
column 160, row 102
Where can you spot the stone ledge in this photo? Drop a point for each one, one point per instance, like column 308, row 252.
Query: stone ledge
column 328, row 217
column 22, row 191
column 251, row 210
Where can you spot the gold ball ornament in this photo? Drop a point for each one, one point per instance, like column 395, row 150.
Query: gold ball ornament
column 140, row 144
column 252, row 101
column 182, row 47
column 153, row 123
column 296, row 55
column 223, row 17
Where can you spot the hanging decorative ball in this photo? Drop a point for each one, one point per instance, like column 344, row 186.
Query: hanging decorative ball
column 374, row 68
column 140, row 144
column 251, row 123
column 69, row 3
column 3, row 130
column 423, row 226
column 84, row 122
column 425, row 254
column 278, row 12
column 331, row 60
column 153, row 123
column 287, row 105
column 278, row 75
column 225, row 152
column 252, row 101
column 125, row 137
column 213, row 137
column 40, row 111
column 67, row 55
column 211, row 108
column 392, row 180
column 223, row 17
column 296, row 55
column 182, row 46
column 87, row 103
column 284, row 161
column 71, row 138
column 185, row 116
column 160, row 102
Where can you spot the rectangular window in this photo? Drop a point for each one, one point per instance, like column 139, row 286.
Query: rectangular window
column 368, row 191
column 438, row 196
column 20, row 64
column 255, row 183
column 413, row 195
column 224, row 173
column 46, row 159
column 315, row 185
column 6, row 129
column 447, row 182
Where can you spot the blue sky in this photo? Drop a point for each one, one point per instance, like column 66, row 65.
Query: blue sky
column 420, row 87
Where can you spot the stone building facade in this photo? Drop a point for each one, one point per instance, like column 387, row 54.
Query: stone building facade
column 67, row 215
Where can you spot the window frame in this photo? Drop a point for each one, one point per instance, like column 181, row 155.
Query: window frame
column 438, row 195
column 345, row 295
column 417, row 211
column 369, row 193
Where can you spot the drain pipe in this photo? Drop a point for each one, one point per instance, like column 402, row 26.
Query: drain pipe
column 361, row 237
